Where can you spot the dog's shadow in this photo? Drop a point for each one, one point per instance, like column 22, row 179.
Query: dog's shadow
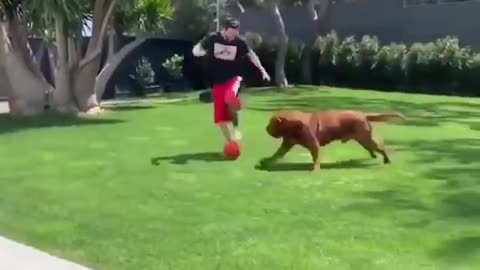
column 346, row 164
column 183, row 159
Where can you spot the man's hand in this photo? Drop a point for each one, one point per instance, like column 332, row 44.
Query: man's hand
column 198, row 51
column 265, row 76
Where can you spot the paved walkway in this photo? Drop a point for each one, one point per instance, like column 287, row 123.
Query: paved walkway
column 3, row 107
column 110, row 103
column 15, row 256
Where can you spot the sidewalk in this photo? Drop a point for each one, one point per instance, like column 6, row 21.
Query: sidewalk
column 3, row 107
column 16, row 256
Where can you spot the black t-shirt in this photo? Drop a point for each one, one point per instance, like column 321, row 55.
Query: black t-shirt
column 225, row 57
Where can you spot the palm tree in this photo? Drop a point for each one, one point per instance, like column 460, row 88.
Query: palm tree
column 76, row 71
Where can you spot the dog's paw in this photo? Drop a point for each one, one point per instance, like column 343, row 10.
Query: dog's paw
column 264, row 163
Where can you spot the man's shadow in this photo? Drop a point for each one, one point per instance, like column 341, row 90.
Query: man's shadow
column 346, row 164
column 182, row 159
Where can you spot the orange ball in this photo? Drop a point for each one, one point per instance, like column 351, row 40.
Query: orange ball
column 232, row 150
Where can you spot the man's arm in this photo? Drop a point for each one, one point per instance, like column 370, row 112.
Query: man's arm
column 201, row 48
column 245, row 50
column 256, row 61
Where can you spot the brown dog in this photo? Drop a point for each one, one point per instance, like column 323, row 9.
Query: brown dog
column 313, row 130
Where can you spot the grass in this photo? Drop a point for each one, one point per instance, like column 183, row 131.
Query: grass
column 143, row 188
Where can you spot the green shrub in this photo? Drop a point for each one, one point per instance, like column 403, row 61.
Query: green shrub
column 364, row 60
column 325, row 50
column 143, row 76
column 388, row 67
column 173, row 65
column 450, row 61
column 345, row 64
column 469, row 78
column 442, row 66
column 327, row 46
column 367, row 50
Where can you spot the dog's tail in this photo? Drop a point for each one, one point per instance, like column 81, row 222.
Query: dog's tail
column 383, row 117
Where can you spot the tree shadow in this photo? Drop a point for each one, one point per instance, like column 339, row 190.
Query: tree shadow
column 460, row 205
column 460, row 249
column 183, row 159
column 10, row 124
column 347, row 164
column 457, row 189
column 130, row 107
column 418, row 114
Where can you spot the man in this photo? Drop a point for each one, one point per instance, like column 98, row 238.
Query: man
column 225, row 51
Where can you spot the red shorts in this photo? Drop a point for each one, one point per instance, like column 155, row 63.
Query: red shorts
column 224, row 93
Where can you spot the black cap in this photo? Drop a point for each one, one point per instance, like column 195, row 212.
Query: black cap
column 231, row 23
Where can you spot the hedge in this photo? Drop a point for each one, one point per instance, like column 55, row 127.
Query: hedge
column 439, row 67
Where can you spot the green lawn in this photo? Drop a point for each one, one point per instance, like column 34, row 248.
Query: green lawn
column 142, row 189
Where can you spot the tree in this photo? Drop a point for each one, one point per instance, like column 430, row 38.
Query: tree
column 143, row 18
column 320, row 12
column 274, row 7
column 77, row 76
column 20, row 74
column 195, row 18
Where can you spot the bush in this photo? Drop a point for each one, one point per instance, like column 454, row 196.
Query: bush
column 388, row 67
column 439, row 67
column 174, row 67
column 325, row 50
column 442, row 66
column 143, row 76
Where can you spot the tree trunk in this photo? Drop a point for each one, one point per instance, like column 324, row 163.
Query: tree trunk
column 62, row 98
column 307, row 50
column 112, row 39
column 320, row 17
column 236, row 8
column 112, row 65
column 85, row 72
column 280, row 77
column 22, row 79
column 324, row 11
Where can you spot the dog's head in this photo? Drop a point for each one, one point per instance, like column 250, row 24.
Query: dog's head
column 280, row 126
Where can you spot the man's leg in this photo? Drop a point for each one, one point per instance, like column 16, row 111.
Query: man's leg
column 233, row 103
column 227, row 131
column 222, row 116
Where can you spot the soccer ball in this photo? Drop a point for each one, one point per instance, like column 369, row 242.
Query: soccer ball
column 232, row 150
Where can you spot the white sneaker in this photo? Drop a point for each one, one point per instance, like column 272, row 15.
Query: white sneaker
column 237, row 135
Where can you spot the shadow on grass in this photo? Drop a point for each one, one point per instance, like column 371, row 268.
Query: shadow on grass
column 458, row 250
column 453, row 165
column 347, row 164
column 130, row 107
column 10, row 124
column 183, row 159
column 418, row 114
column 385, row 201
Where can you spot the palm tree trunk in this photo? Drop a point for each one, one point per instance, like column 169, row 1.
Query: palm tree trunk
column 21, row 77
